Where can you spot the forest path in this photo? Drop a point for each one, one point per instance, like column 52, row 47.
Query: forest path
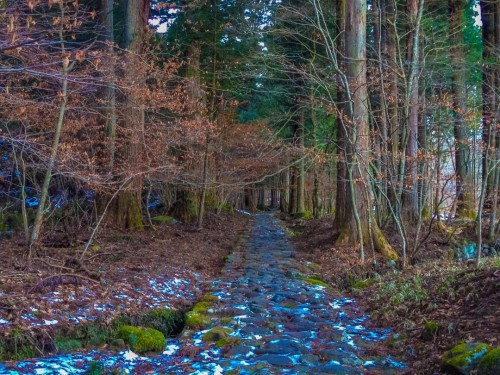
column 264, row 315
column 278, row 320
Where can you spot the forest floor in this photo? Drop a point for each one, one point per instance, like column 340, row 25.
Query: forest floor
column 432, row 305
column 265, row 313
column 121, row 273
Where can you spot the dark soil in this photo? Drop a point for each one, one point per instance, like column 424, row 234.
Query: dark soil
column 463, row 300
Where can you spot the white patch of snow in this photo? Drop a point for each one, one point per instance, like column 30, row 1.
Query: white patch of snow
column 129, row 355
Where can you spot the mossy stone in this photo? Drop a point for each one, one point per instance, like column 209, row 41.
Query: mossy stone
column 202, row 307
column 489, row 364
column 170, row 322
column 216, row 333
column 195, row 319
column 141, row 339
column 315, row 280
column 227, row 341
column 462, row 358
column 226, row 320
column 430, row 330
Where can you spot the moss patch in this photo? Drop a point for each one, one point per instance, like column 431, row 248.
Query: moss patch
column 67, row 345
column 463, row 357
column 202, row 307
column 142, row 340
column 216, row 333
column 228, row 341
column 168, row 321
column 315, row 280
column 196, row 320
column 490, row 363
column 430, row 330
column 162, row 219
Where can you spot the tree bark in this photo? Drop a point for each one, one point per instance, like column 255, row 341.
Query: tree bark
column 126, row 210
column 464, row 183
column 410, row 191
column 488, row 10
column 356, row 223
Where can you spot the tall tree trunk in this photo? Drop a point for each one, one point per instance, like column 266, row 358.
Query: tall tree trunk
column 341, row 201
column 488, row 10
column 464, row 183
column 301, row 178
column 185, row 207
column 357, row 224
column 126, row 210
column 40, row 212
column 410, row 191
column 292, row 207
column 390, row 51
column 107, row 21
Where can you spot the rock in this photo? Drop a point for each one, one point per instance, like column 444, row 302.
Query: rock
column 489, row 364
column 310, row 359
column 287, row 347
column 277, row 360
column 239, row 350
column 463, row 358
column 142, row 340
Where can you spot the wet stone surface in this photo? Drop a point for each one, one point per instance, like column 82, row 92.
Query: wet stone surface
column 273, row 322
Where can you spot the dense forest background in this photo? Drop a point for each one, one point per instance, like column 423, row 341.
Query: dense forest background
column 382, row 114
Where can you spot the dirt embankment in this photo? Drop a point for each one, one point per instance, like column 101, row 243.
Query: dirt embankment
column 121, row 273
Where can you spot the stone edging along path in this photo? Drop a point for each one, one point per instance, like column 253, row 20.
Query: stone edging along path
column 264, row 315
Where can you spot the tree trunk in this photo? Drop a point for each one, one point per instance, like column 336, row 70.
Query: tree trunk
column 357, row 226
column 107, row 20
column 341, row 201
column 40, row 212
column 464, row 183
column 301, row 178
column 410, row 191
column 488, row 10
column 126, row 210
column 292, row 206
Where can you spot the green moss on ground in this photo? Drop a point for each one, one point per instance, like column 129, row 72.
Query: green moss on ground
column 142, row 340
column 227, row 341
column 315, row 280
column 430, row 330
column 197, row 320
column 216, row 333
column 66, row 345
column 489, row 364
column 170, row 322
column 463, row 357
column 202, row 307
column 163, row 219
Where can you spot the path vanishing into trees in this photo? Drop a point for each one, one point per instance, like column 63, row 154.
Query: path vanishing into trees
column 266, row 314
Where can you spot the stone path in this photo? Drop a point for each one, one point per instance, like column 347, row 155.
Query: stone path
column 276, row 322
column 263, row 316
